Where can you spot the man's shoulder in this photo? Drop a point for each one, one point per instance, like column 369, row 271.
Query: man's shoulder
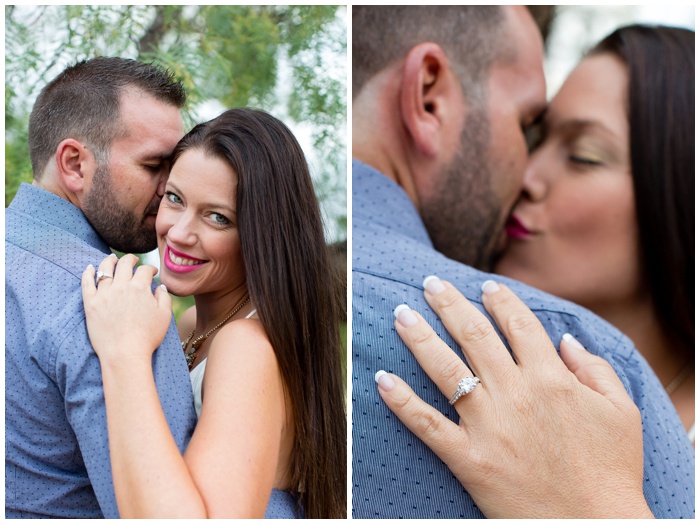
column 389, row 270
column 41, row 247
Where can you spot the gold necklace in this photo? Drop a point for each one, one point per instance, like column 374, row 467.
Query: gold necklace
column 680, row 378
column 197, row 342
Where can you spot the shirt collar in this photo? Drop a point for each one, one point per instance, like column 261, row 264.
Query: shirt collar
column 377, row 198
column 34, row 201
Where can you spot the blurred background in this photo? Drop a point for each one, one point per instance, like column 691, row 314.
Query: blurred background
column 570, row 31
column 288, row 60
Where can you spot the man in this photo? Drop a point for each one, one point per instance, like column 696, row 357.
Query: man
column 441, row 99
column 100, row 135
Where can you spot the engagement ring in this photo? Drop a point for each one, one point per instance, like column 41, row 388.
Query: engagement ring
column 101, row 276
column 465, row 386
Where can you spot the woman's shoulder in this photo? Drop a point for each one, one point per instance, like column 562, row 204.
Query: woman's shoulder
column 243, row 343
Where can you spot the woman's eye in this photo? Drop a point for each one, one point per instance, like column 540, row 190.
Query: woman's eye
column 172, row 197
column 220, row 219
column 584, row 160
column 153, row 168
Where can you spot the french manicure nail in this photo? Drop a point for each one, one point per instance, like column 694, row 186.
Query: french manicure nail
column 164, row 288
column 90, row 266
column 383, row 380
column 489, row 287
column 405, row 316
column 433, row 285
column 571, row 340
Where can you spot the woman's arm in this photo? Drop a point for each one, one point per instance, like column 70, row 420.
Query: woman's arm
column 539, row 436
column 151, row 478
column 235, row 449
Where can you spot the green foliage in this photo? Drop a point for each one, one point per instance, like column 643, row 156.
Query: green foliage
column 288, row 60
column 225, row 55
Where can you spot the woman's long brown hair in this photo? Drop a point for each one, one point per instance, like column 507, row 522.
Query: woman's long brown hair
column 293, row 285
column 661, row 109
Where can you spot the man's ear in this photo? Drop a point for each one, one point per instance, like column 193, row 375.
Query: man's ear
column 431, row 98
column 75, row 165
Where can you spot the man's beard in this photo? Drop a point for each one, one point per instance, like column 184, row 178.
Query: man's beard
column 462, row 214
column 122, row 229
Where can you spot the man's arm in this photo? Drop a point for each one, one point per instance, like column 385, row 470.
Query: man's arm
column 80, row 379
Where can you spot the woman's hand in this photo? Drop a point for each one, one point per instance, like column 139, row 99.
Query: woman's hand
column 124, row 318
column 538, row 437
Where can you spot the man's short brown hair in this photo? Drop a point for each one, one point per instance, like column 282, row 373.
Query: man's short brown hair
column 83, row 103
column 471, row 36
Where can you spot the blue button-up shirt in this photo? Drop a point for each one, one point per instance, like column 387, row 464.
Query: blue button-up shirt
column 394, row 474
column 56, row 449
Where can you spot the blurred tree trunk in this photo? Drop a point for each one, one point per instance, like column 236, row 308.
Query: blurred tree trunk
column 167, row 16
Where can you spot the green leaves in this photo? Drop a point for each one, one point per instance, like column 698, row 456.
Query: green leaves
column 289, row 60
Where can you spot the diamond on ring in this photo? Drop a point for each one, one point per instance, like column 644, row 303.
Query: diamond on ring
column 100, row 275
column 465, row 386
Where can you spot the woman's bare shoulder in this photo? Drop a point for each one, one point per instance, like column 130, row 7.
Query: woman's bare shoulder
column 245, row 345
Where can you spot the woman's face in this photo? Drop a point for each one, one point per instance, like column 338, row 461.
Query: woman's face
column 573, row 233
column 200, row 250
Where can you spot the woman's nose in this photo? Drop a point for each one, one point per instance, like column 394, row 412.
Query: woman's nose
column 182, row 230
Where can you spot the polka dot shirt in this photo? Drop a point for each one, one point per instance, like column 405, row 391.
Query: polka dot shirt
column 394, row 475
column 56, row 448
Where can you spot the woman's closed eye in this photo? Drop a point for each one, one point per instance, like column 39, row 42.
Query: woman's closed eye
column 585, row 160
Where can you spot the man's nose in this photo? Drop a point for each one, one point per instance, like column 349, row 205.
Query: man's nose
column 535, row 184
column 162, row 180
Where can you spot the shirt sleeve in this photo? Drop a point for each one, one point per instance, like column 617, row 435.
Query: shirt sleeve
column 79, row 378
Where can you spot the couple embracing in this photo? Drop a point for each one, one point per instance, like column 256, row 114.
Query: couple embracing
column 103, row 416
column 461, row 167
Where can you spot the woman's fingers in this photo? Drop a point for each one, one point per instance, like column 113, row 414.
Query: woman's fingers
column 125, row 267
column 163, row 297
column 437, row 359
column 144, row 275
column 439, row 433
column 107, row 268
column 486, row 354
column 87, row 283
column 593, row 371
column 527, row 338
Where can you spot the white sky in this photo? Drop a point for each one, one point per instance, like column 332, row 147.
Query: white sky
column 577, row 28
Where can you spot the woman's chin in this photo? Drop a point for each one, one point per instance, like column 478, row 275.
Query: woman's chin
column 175, row 288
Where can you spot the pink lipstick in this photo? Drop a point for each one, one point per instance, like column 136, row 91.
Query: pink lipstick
column 178, row 262
column 516, row 229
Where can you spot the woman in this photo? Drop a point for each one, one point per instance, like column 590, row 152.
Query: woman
column 239, row 228
column 606, row 219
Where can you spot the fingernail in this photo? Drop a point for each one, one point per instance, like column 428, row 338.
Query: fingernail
column 164, row 288
column 383, row 380
column 90, row 266
column 489, row 287
column 433, row 285
column 571, row 340
column 113, row 255
column 405, row 316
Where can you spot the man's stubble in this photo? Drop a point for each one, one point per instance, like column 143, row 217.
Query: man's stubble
column 121, row 228
column 462, row 214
